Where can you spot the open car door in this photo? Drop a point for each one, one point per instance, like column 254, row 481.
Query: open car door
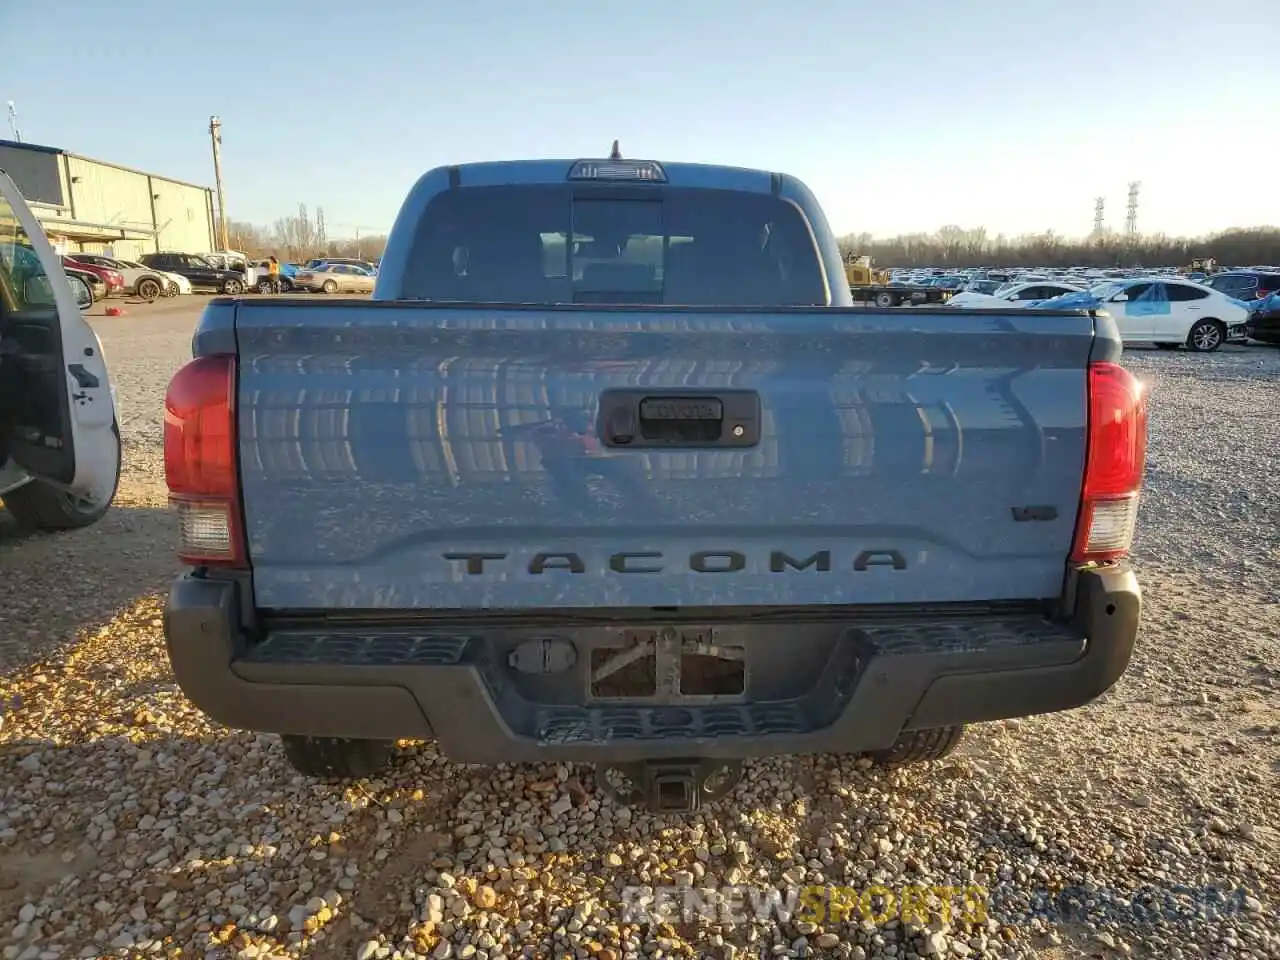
column 57, row 413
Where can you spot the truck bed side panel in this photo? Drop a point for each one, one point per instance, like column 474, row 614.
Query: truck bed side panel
column 398, row 456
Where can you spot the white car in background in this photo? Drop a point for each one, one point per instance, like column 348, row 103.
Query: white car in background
column 1172, row 313
column 145, row 283
column 181, row 283
column 1013, row 295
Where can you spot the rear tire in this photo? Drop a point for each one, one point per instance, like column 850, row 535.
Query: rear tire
column 233, row 288
column 264, row 286
column 337, row 758
column 149, row 289
column 884, row 300
column 919, row 746
column 330, row 286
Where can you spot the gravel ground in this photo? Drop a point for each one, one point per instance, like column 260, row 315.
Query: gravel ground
column 132, row 826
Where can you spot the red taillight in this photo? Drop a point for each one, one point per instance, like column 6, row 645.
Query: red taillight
column 200, row 461
column 1114, row 464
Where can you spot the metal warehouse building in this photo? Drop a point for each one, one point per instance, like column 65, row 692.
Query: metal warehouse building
column 90, row 206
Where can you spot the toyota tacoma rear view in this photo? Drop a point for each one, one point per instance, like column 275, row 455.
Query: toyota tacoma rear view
column 611, row 470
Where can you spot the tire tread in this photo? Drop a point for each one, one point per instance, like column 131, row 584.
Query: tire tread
column 337, row 758
column 919, row 746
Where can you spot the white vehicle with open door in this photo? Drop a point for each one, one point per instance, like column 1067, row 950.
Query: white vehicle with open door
column 59, row 438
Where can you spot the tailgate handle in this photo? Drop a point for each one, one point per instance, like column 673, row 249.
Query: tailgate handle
column 679, row 418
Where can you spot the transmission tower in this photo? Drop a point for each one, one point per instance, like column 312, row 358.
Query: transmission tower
column 1098, row 218
column 1131, row 218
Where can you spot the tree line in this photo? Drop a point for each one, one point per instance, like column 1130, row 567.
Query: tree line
column 953, row 246
column 305, row 235
column 301, row 237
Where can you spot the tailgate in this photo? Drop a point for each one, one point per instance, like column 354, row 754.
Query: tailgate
column 403, row 456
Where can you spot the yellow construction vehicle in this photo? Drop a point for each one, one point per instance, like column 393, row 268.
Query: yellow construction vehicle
column 871, row 286
column 859, row 272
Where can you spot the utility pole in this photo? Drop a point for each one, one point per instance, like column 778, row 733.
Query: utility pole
column 215, row 132
column 1099, row 221
column 13, row 122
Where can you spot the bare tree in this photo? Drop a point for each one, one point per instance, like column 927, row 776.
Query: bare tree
column 304, row 236
column 953, row 246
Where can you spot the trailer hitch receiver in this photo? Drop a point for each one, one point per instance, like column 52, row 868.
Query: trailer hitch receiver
column 669, row 786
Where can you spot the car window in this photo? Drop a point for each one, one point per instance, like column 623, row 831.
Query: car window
column 1269, row 282
column 1235, row 284
column 1182, row 292
column 24, row 283
column 199, row 263
column 1136, row 290
column 547, row 244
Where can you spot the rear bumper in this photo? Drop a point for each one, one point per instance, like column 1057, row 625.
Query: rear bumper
column 872, row 677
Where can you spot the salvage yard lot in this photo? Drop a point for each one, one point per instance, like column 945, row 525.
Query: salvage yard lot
column 131, row 825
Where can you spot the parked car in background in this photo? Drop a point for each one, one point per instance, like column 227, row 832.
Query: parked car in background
column 1013, row 294
column 178, row 284
column 113, row 279
column 1246, row 284
column 202, row 274
column 336, row 278
column 143, row 282
column 235, row 261
column 987, row 287
column 1264, row 319
column 319, row 262
column 288, row 276
column 97, row 286
column 1165, row 311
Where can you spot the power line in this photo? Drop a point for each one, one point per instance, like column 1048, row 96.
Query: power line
column 1131, row 217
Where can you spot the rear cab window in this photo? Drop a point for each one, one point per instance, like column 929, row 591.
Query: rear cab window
column 556, row 243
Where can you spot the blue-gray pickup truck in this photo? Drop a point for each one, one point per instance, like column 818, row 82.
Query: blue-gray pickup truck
column 610, row 470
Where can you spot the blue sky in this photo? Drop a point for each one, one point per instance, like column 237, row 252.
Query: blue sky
column 1013, row 114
